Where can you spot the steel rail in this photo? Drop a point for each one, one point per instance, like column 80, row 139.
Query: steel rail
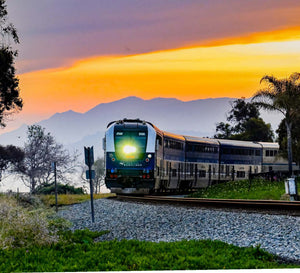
column 287, row 206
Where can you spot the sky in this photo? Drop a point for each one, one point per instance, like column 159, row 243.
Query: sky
column 74, row 54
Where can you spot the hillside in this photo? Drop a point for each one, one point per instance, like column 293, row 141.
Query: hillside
column 75, row 130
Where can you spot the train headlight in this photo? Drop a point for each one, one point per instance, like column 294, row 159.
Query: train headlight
column 129, row 149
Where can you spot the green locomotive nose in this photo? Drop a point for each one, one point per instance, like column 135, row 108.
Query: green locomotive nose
column 130, row 144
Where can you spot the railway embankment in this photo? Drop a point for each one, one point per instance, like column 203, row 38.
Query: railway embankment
column 257, row 189
column 164, row 238
column 277, row 234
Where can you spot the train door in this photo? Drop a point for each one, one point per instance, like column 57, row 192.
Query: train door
column 232, row 173
column 179, row 175
column 196, row 172
column 209, row 175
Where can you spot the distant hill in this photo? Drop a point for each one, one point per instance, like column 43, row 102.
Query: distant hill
column 75, row 130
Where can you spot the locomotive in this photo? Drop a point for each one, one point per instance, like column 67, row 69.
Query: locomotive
column 142, row 159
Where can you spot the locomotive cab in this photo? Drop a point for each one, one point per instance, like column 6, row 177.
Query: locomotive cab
column 130, row 157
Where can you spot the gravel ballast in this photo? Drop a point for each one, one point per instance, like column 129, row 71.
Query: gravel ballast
column 277, row 234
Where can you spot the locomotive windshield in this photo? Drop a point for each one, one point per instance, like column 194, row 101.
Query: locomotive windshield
column 130, row 145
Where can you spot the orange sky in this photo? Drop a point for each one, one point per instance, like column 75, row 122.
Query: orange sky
column 220, row 68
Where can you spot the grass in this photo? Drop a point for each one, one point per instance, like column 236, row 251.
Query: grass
column 69, row 199
column 81, row 253
column 260, row 190
column 57, row 249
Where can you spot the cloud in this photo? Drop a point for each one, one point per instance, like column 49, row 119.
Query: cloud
column 57, row 31
column 232, row 70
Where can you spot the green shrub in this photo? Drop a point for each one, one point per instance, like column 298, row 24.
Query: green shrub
column 23, row 226
column 61, row 189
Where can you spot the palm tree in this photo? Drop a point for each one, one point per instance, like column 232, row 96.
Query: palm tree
column 281, row 95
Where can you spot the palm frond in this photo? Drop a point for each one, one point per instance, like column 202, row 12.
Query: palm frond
column 264, row 94
column 269, row 107
column 294, row 77
column 274, row 84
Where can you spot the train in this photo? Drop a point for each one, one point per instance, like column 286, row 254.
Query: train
column 142, row 159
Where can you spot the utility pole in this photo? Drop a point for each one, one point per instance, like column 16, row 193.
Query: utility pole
column 55, row 185
column 90, row 174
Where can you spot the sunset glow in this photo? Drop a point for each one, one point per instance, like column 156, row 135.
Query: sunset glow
column 231, row 68
column 74, row 55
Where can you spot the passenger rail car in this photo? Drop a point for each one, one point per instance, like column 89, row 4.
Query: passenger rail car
column 140, row 159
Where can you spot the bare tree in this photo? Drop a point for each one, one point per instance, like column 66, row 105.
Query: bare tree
column 41, row 150
column 98, row 181
column 99, row 174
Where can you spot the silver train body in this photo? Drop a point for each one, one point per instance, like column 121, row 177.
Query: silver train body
column 142, row 159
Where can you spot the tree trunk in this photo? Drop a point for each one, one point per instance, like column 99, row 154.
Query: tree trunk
column 289, row 146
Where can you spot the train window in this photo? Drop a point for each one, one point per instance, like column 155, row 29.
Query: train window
column 257, row 152
column 200, row 148
column 159, row 140
column 173, row 144
column 225, row 151
column 189, row 148
column 202, row 173
column 240, row 174
column 166, row 143
column 271, row 152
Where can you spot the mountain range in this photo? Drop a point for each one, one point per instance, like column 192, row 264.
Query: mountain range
column 76, row 130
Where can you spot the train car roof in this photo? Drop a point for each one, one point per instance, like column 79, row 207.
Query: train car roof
column 202, row 140
column 170, row 135
column 270, row 145
column 239, row 143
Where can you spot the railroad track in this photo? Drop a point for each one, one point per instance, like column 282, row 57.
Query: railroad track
column 285, row 207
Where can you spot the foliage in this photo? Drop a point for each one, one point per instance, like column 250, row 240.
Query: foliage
column 98, row 181
column 283, row 96
column 69, row 199
column 223, row 131
column 99, row 168
column 49, row 188
column 10, row 156
column 245, row 124
column 10, row 101
column 260, row 190
column 41, row 150
column 241, row 112
column 26, row 200
column 80, row 236
column 282, row 139
column 255, row 129
column 23, row 227
column 82, row 254
column 28, row 246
